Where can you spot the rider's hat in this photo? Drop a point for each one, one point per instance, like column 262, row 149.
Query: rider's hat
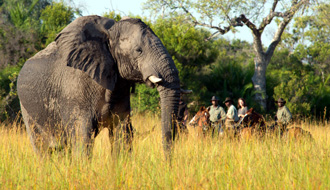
column 214, row 98
column 228, row 99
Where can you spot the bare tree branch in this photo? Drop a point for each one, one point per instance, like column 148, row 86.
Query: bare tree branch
column 215, row 34
column 286, row 19
column 249, row 24
column 191, row 15
column 268, row 19
column 276, row 40
column 220, row 30
column 274, row 5
column 285, row 15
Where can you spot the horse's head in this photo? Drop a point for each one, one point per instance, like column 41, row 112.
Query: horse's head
column 202, row 117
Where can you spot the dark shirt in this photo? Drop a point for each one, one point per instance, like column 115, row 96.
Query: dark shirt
column 181, row 110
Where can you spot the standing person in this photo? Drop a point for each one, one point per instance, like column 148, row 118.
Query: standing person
column 217, row 113
column 232, row 116
column 283, row 114
column 242, row 108
column 182, row 112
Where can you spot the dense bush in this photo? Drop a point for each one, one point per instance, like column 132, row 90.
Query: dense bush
column 9, row 104
column 26, row 27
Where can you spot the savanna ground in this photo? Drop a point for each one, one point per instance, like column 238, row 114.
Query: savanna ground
column 197, row 163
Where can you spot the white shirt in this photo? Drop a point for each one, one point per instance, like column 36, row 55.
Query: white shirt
column 232, row 113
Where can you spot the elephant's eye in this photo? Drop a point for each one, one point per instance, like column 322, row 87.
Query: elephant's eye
column 139, row 50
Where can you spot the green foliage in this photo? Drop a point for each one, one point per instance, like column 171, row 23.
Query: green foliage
column 296, row 92
column 186, row 43
column 145, row 99
column 228, row 78
column 305, row 93
column 26, row 27
column 23, row 14
column 54, row 18
column 15, row 44
column 314, row 32
column 302, row 75
column 113, row 15
column 229, row 75
column 9, row 104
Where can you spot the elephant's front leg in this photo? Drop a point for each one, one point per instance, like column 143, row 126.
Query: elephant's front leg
column 121, row 136
column 121, row 132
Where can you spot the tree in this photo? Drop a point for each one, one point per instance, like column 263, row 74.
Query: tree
column 256, row 15
column 312, row 33
column 54, row 18
column 25, row 25
column 19, row 27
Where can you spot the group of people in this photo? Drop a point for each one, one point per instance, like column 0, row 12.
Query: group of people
column 219, row 117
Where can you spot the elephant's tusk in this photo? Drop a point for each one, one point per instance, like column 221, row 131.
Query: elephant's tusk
column 183, row 91
column 155, row 79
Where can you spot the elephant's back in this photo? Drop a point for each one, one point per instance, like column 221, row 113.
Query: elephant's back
column 33, row 81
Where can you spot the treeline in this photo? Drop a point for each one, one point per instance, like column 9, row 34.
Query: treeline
column 298, row 72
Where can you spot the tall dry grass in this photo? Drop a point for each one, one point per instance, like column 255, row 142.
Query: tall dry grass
column 197, row 163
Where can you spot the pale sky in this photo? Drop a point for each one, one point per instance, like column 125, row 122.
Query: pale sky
column 125, row 7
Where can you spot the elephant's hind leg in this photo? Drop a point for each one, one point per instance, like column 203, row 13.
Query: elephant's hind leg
column 82, row 132
column 39, row 140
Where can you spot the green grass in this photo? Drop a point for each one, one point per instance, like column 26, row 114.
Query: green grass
column 197, row 163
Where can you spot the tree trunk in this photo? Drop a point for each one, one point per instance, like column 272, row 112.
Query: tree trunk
column 259, row 82
column 261, row 62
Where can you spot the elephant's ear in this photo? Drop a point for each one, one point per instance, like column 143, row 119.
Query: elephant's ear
column 83, row 45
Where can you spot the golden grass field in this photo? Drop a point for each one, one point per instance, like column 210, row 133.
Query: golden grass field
column 197, row 163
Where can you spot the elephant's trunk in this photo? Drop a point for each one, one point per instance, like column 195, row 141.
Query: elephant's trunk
column 169, row 99
column 169, row 91
column 162, row 72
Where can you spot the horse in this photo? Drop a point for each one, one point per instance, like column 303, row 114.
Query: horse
column 201, row 121
column 254, row 122
column 251, row 123
column 253, row 119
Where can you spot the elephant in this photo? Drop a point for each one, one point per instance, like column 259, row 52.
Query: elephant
column 81, row 83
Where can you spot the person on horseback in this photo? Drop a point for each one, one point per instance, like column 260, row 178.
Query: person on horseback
column 232, row 116
column 283, row 114
column 242, row 108
column 217, row 113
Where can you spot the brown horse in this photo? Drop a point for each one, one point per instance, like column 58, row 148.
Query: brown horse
column 250, row 124
column 201, row 121
column 253, row 119
column 254, row 122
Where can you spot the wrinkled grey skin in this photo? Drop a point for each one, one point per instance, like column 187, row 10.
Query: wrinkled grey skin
column 82, row 81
